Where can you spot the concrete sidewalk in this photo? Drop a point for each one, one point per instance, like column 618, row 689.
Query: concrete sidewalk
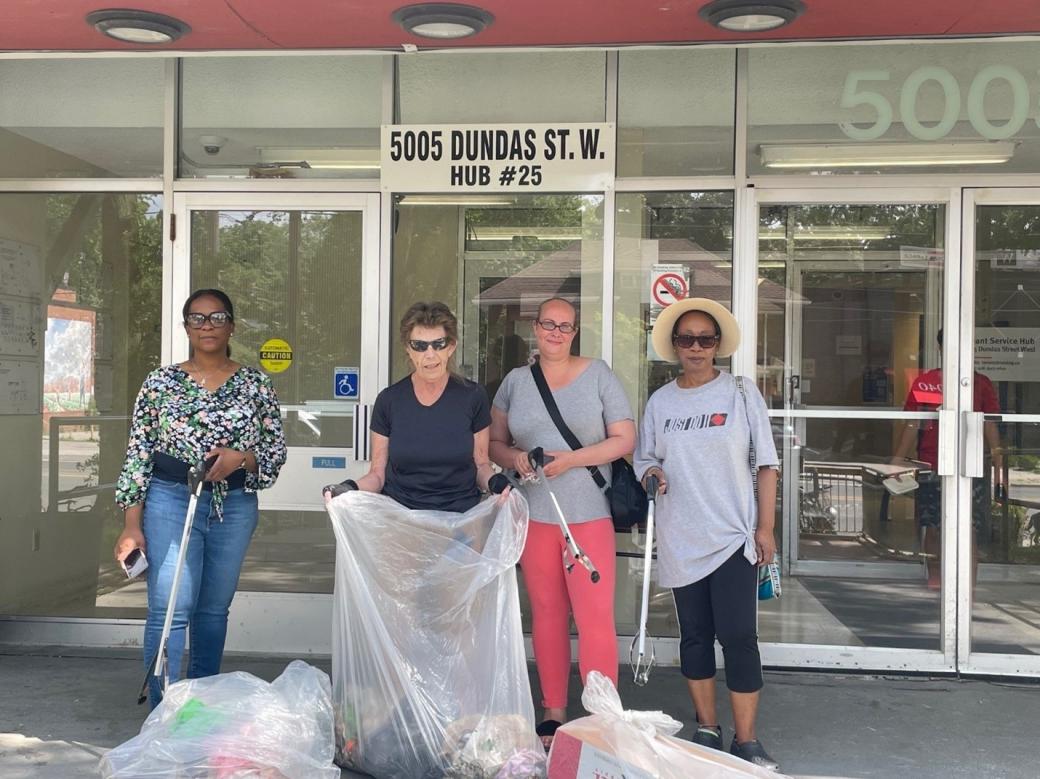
column 60, row 709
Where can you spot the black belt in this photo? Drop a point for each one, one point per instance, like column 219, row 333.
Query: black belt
column 171, row 469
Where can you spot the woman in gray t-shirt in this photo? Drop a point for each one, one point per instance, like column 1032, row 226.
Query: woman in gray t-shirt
column 696, row 438
column 595, row 408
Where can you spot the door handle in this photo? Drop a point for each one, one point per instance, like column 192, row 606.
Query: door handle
column 947, row 454
column 793, row 384
column 971, row 443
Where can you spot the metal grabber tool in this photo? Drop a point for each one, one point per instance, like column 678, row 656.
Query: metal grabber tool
column 639, row 660
column 160, row 664
column 538, row 460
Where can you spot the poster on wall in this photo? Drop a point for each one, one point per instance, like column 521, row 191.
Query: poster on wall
column 19, row 269
column 1008, row 353
column 19, row 386
column 575, row 157
column 20, row 327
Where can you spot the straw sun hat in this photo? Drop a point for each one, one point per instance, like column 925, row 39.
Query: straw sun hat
column 665, row 324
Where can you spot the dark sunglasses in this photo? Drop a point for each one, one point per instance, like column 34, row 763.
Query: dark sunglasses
column 564, row 327
column 421, row 346
column 218, row 319
column 686, row 341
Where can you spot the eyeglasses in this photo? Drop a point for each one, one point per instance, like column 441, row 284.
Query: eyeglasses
column 686, row 341
column 564, row 327
column 218, row 319
column 421, row 346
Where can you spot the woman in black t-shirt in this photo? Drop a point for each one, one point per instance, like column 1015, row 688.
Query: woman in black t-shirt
column 430, row 430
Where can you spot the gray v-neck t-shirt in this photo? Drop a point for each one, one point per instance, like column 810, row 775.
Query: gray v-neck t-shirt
column 588, row 404
column 700, row 438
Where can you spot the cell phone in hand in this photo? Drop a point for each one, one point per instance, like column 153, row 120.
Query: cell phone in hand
column 134, row 564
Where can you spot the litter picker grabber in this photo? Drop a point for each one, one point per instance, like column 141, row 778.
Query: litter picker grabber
column 160, row 664
column 538, row 460
column 640, row 662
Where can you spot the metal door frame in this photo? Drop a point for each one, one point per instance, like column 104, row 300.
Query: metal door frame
column 286, row 622
column 969, row 661
column 944, row 658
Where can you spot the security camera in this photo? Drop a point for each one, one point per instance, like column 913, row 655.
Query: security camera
column 212, row 143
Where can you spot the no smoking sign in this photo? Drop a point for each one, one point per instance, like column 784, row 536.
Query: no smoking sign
column 668, row 288
column 668, row 283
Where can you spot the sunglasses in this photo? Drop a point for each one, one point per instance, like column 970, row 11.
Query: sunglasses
column 564, row 327
column 218, row 319
column 685, row 341
column 421, row 346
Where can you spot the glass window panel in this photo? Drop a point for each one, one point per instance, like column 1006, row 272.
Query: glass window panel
column 493, row 264
column 690, row 233
column 922, row 108
column 64, row 119
column 565, row 86
column 1005, row 508
column 291, row 275
column 80, row 303
column 676, row 112
column 1006, row 526
column 1007, row 304
column 281, row 117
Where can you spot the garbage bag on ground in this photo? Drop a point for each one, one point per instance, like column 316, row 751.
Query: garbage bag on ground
column 235, row 726
column 616, row 742
column 428, row 661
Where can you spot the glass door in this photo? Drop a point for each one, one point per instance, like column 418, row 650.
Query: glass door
column 853, row 292
column 303, row 273
column 1000, row 339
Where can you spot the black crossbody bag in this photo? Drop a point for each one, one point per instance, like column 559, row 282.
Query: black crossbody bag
column 625, row 494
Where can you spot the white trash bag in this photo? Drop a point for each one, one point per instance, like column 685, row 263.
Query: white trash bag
column 428, row 661
column 616, row 742
column 235, row 726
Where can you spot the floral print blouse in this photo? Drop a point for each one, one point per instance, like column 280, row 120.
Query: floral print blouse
column 176, row 416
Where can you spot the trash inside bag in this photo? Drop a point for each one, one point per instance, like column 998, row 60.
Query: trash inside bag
column 615, row 742
column 428, row 661
column 235, row 726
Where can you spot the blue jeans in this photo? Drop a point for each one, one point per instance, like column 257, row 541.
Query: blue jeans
column 215, row 553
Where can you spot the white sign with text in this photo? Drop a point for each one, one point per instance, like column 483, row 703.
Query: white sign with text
column 497, row 158
column 1008, row 353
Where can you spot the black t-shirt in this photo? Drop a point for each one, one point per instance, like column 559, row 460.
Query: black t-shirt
column 431, row 447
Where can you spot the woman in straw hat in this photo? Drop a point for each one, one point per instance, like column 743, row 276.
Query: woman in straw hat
column 697, row 437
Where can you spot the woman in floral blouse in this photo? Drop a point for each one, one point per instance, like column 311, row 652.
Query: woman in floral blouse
column 206, row 407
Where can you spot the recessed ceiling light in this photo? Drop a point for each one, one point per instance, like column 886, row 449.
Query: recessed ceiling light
column 750, row 15
column 442, row 20
column 133, row 26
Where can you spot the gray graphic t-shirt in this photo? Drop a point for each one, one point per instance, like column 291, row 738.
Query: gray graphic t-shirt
column 700, row 438
column 588, row 404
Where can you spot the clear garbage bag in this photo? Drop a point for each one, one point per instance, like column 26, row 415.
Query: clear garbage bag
column 428, row 661
column 235, row 726
column 615, row 742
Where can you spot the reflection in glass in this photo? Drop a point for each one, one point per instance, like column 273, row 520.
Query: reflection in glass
column 80, row 304
column 670, row 124
column 1006, row 587
column 494, row 260
column 850, row 303
column 686, row 234
column 281, row 117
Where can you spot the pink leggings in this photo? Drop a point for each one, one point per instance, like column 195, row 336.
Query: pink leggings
column 554, row 594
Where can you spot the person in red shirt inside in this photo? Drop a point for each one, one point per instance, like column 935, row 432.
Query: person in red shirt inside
column 926, row 395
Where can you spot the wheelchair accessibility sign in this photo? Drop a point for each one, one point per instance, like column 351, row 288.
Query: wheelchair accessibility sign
column 345, row 383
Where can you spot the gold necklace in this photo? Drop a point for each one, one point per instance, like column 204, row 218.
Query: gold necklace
column 202, row 381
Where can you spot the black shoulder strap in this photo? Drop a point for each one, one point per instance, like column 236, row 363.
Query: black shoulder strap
column 554, row 414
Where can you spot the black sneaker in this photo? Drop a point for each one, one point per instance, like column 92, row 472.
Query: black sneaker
column 753, row 752
column 708, row 736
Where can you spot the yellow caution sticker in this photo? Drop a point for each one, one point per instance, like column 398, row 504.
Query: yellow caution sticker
column 275, row 355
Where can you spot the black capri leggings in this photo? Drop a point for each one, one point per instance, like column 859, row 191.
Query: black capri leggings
column 723, row 604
